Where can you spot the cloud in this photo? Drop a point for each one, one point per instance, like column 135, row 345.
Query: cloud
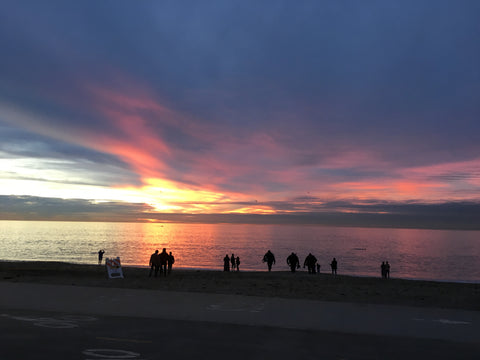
column 25, row 155
column 240, row 101
column 40, row 208
column 454, row 215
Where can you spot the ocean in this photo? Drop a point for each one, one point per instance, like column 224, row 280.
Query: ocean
column 441, row 255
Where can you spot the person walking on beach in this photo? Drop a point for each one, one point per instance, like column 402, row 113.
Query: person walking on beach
column 293, row 262
column 387, row 270
column 269, row 258
column 310, row 262
column 333, row 265
column 100, row 256
column 318, row 268
column 237, row 263
column 383, row 270
column 226, row 263
column 170, row 262
column 163, row 257
column 154, row 264
column 232, row 260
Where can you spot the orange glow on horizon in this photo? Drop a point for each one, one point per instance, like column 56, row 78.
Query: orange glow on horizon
column 260, row 210
column 168, row 196
column 391, row 190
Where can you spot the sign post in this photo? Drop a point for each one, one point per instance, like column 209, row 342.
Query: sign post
column 114, row 268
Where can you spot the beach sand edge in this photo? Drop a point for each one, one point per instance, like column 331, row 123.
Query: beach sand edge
column 300, row 285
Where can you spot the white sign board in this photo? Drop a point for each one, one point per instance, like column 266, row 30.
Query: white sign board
column 114, row 268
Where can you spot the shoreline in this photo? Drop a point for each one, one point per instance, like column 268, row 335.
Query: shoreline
column 301, row 270
column 280, row 284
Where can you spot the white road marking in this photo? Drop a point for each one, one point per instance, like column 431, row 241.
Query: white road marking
column 452, row 322
column 56, row 324
column 110, row 354
column 78, row 318
column 64, row 322
column 445, row 321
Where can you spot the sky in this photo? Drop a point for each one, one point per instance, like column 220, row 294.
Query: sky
column 154, row 110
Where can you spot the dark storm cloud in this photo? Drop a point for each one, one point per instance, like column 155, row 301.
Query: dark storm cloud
column 461, row 215
column 39, row 208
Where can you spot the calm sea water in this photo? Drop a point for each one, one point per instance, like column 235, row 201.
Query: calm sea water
column 413, row 254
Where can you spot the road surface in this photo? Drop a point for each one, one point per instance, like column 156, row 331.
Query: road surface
column 73, row 322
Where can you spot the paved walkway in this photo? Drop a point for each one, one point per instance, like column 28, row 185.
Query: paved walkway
column 444, row 324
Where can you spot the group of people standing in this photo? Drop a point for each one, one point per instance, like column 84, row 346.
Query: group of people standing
column 164, row 261
column 233, row 261
column 311, row 263
column 385, row 270
column 161, row 261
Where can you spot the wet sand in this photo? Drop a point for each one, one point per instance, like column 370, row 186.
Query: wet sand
column 280, row 284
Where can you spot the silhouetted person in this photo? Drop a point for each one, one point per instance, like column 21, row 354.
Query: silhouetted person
column 310, row 262
column 100, row 256
column 226, row 263
column 154, row 263
column 383, row 270
column 293, row 262
column 170, row 262
column 232, row 260
column 318, row 268
column 163, row 257
column 387, row 270
column 333, row 265
column 237, row 263
column 269, row 258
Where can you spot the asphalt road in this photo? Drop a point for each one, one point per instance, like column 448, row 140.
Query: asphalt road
column 71, row 322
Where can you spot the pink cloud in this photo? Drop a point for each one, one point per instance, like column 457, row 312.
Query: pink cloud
column 245, row 164
column 133, row 136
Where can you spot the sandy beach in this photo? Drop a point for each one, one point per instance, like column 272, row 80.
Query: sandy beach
column 279, row 284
